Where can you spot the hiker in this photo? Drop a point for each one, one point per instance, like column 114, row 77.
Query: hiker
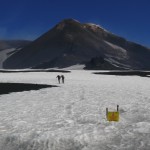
column 63, row 78
column 58, row 78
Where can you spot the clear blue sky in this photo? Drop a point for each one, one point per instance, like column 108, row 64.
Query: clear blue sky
column 28, row 19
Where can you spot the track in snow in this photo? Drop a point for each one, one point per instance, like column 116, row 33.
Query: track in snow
column 72, row 116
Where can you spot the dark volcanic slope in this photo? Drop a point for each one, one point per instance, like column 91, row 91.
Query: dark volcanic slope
column 71, row 42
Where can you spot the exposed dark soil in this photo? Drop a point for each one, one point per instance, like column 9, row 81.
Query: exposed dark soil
column 126, row 73
column 33, row 70
column 6, row 88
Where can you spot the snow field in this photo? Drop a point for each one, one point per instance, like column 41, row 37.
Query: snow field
column 72, row 116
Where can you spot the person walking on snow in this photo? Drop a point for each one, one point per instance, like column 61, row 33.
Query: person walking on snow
column 63, row 78
column 58, row 77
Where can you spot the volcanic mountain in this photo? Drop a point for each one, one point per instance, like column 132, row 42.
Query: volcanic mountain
column 71, row 42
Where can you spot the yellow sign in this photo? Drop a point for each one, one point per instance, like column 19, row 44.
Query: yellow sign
column 113, row 116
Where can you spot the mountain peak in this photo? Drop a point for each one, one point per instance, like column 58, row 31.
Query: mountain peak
column 70, row 20
column 65, row 22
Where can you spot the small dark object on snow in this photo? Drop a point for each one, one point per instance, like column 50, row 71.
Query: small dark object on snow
column 63, row 78
column 58, row 77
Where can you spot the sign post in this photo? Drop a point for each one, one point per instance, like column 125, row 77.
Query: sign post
column 112, row 116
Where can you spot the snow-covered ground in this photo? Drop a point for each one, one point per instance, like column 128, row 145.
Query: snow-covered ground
column 72, row 116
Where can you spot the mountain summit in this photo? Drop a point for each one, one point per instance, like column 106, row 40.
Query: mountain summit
column 71, row 42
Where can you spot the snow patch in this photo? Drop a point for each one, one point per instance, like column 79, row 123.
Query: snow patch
column 142, row 127
column 124, row 52
column 94, row 27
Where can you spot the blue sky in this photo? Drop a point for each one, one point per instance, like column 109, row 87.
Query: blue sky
column 28, row 19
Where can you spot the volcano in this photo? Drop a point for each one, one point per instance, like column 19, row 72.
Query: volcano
column 73, row 43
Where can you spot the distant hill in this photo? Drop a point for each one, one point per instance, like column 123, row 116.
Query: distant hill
column 9, row 47
column 71, row 42
column 6, row 44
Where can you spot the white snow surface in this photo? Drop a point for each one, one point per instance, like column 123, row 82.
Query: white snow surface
column 72, row 116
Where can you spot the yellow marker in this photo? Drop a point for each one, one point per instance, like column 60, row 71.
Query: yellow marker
column 113, row 116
